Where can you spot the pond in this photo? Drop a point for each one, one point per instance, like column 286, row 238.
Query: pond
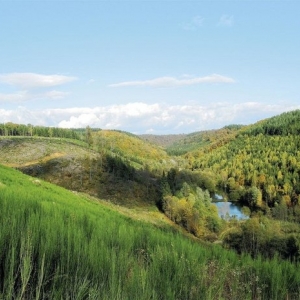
column 227, row 209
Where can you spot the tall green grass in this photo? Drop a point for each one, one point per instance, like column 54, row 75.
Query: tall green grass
column 55, row 244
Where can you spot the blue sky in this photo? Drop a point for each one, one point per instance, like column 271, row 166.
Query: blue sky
column 148, row 66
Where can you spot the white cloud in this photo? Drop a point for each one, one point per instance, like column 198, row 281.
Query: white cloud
column 14, row 97
column 34, row 80
column 195, row 23
column 112, row 117
column 91, row 81
column 30, row 84
column 174, row 82
column 226, row 21
column 53, row 95
column 22, row 96
column 156, row 118
column 80, row 121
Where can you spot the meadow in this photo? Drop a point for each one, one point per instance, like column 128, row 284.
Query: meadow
column 57, row 244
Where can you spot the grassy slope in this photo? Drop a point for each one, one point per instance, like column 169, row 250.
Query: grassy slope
column 25, row 151
column 55, row 244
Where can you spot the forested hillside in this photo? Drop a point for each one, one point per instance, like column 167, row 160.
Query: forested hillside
column 282, row 125
column 260, row 167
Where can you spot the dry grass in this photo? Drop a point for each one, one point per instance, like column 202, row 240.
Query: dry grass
column 24, row 151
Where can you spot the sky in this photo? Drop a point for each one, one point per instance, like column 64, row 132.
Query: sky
column 156, row 67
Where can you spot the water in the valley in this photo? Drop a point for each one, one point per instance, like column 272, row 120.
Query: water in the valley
column 227, row 209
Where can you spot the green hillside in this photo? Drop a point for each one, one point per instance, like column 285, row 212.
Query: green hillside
column 132, row 148
column 56, row 244
column 285, row 124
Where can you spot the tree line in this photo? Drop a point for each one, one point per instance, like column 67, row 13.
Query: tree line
column 12, row 129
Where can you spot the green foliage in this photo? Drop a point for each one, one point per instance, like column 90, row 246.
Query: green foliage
column 165, row 189
column 88, row 136
column 119, row 167
column 185, row 203
column 260, row 236
column 177, row 178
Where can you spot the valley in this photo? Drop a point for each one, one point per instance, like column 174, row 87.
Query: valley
column 118, row 201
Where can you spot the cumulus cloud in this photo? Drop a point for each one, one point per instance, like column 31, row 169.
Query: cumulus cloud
column 156, row 118
column 34, row 80
column 174, row 82
column 226, row 21
column 111, row 117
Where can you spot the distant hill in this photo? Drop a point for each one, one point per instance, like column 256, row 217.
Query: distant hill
column 164, row 140
column 179, row 144
column 202, row 139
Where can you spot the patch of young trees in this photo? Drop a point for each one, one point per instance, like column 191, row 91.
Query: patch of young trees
column 187, row 204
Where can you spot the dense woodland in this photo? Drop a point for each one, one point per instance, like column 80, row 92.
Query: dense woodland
column 260, row 168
